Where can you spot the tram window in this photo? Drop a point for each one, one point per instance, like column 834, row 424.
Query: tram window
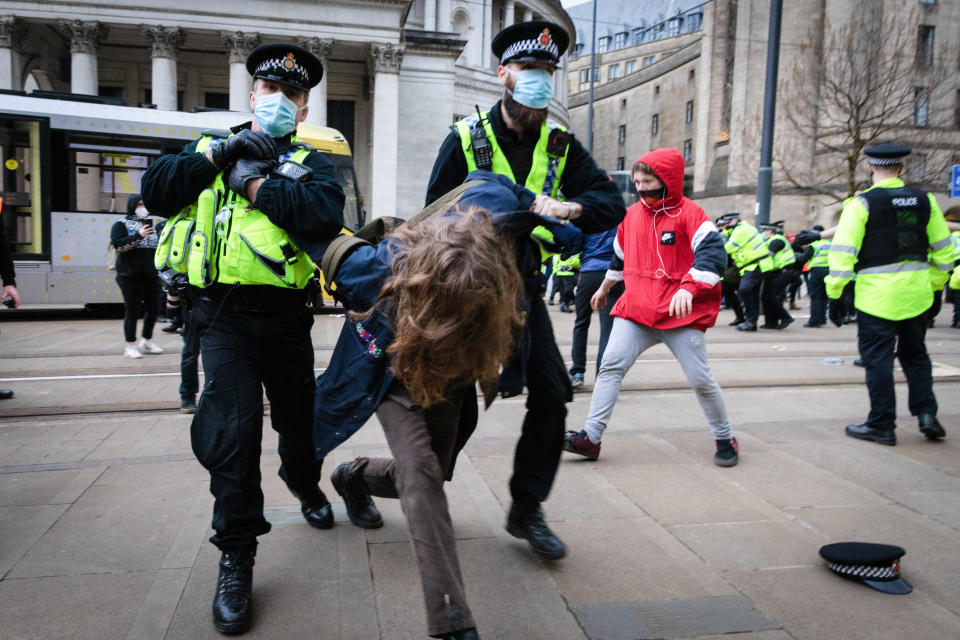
column 21, row 184
column 107, row 171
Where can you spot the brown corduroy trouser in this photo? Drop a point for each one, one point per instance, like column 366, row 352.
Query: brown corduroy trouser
column 422, row 443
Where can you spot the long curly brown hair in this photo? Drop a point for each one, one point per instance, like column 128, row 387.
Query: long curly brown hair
column 454, row 297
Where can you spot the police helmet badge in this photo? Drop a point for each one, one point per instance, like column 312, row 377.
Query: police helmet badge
column 545, row 38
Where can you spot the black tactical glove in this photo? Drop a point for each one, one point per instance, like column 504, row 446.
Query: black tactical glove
column 837, row 312
column 252, row 145
column 806, row 237
column 245, row 170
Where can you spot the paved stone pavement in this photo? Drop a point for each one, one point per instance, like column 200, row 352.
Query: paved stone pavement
column 104, row 513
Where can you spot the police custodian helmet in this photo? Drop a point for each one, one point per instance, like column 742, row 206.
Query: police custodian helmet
column 875, row 565
column 536, row 41
column 882, row 155
column 287, row 64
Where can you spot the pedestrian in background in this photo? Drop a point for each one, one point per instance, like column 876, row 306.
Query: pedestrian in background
column 9, row 296
column 135, row 240
column 595, row 258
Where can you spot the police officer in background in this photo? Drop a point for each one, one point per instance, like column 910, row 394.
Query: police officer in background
column 775, row 276
column 255, row 194
column 746, row 246
column 516, row 139
column 884, row 236
column 817, row 255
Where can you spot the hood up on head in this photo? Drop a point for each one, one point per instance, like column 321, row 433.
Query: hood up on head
column 668, row 165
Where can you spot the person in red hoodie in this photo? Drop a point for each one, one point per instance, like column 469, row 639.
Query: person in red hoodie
column 671, row 258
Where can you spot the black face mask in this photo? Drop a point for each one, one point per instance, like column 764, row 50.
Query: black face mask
column 653, row 195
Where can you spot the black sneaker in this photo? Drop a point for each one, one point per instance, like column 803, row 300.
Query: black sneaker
column 529, row 525
column 360, row 508
column 232, row 604
column 728, row 453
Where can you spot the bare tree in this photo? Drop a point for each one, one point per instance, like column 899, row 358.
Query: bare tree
column 876, row 78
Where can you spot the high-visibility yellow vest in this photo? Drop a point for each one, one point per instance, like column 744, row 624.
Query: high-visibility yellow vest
column 221, row 238
column 746, row 246
column 821, row 254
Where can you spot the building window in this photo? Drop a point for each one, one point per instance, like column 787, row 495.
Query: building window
column 623, row 103
column 630, row 66
column 688, row 151
column 655, row 124
column 613, row 71
column 693, row 74
column 918, row 167
column 925, row 45
column 603, row 44
column 956, row 111
column 689, row 116
column 622, row 134
column 620, row 163
column 577, row 50
column 693, row 22
column 921, row 101
column 636, row 36
column 649, row 60
column 583, row 76
column 620, row 40
column 656, row 89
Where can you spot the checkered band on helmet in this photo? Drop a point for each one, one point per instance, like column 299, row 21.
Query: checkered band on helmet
column 283, row 66
column 530, row 45
column 865, row 571
column 884, row 162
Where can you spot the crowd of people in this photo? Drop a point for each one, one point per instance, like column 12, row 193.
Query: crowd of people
column 455, row 297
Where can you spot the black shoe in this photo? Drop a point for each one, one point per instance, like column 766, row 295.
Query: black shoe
column 565, row 308
column 6, row 394
column 728, row 453
column 232, row 606
column 463, row 634
column 785, row 323
column 747, row 326
column 170, row 328
column 880, row 436
column 530, row 526
column 315, row 507
column 550, row 302
column 353, row 490
column 736, row 322
column 858, row 363
column 188, row 405
column 931, row 427
column 812, row 324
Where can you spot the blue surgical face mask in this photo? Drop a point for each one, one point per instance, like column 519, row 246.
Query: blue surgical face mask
column 534, row 88
column 276, row 114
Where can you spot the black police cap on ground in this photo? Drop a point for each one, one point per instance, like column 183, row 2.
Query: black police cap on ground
column 287, row 64
column 536, row 41
column 876, row 565
column 886, row 154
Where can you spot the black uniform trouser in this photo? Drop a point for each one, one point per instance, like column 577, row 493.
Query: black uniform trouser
column 189, row 354
column 566, row 285
column 588, row 284
column 729, row 292
column 774, row 293
column 749, row 292
column 818, row 294
column 244, row 353
column 879, row 341
column 537, row 455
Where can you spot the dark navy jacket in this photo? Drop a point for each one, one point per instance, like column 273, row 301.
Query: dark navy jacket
column 357, row 378
column 597, row 251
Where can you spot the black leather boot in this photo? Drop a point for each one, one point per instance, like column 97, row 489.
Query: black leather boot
column 232, row 605
column 863, row 432
column 931, row 427
column 315, row 507
column 529, row 525
column 356, row 497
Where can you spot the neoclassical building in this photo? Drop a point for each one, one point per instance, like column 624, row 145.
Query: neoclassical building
column 398, row 72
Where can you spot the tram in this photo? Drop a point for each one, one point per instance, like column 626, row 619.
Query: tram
column 68, row 168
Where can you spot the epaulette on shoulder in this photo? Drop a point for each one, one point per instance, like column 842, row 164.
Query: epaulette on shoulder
column 301, row 144
column 217, row 133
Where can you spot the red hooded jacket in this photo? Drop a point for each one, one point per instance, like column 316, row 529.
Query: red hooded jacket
column 666, row 247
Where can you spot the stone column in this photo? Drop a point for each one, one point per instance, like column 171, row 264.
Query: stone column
column 443, row 16
column 429, row 15
column 487, row 36
column 317, row 101
column 384, row 61
column 84, row 38
column 11, row 28
column 164, row 42
column 239, row 45
column 509, row 13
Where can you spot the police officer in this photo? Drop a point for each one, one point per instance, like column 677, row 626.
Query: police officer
column 747, row 247
column 251, row 197
column 884, row 236
column 516, row 139
column 775, row 276
column 817, row 255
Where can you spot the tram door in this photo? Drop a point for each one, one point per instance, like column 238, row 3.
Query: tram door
column 22, row 186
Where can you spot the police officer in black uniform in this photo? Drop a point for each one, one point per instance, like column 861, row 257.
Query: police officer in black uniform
column 516, row 139
column 271, row 192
